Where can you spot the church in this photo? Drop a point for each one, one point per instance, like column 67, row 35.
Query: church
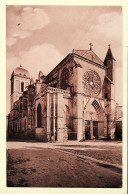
column 75, row 101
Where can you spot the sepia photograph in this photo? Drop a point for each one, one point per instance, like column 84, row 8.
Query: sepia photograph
column 64, row 96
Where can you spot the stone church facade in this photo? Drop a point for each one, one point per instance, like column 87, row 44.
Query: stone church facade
column 75, row 101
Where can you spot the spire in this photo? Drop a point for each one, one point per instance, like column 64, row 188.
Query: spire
column 109, row 54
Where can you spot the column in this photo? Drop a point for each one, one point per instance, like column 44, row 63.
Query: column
column 54, row 106
column 79, row 117
column 48, row 116
column 91, row 129
column 60, row 117
column 83, row 122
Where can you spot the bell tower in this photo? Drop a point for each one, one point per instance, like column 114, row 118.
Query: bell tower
column 20, row 79
column 109, row 62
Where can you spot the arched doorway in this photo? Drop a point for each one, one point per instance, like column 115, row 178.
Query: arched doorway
column 87, row 129
column 93, row 119
column 98, row 126
column 39, row 116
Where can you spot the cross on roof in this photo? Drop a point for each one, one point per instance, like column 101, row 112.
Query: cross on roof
column 109, row 45
column 91, row 46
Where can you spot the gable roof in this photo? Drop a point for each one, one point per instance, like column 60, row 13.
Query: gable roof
column 83, row 54
column 90, row 55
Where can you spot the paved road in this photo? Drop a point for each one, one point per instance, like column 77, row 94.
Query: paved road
column 49, row 165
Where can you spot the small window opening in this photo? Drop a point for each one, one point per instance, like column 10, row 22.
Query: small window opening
column 22, row 86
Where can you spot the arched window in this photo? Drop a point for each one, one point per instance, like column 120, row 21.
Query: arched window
column 39, row 116
column 22, row 86
column 64, row 78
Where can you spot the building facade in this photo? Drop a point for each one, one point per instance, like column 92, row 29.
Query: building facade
column 75, row 101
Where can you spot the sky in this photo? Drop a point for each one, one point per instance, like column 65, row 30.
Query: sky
column 39, row 37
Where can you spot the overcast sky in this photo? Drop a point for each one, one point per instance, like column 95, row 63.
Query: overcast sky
column 39, row 37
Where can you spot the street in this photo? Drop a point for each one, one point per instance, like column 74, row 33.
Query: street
column 94, row 164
